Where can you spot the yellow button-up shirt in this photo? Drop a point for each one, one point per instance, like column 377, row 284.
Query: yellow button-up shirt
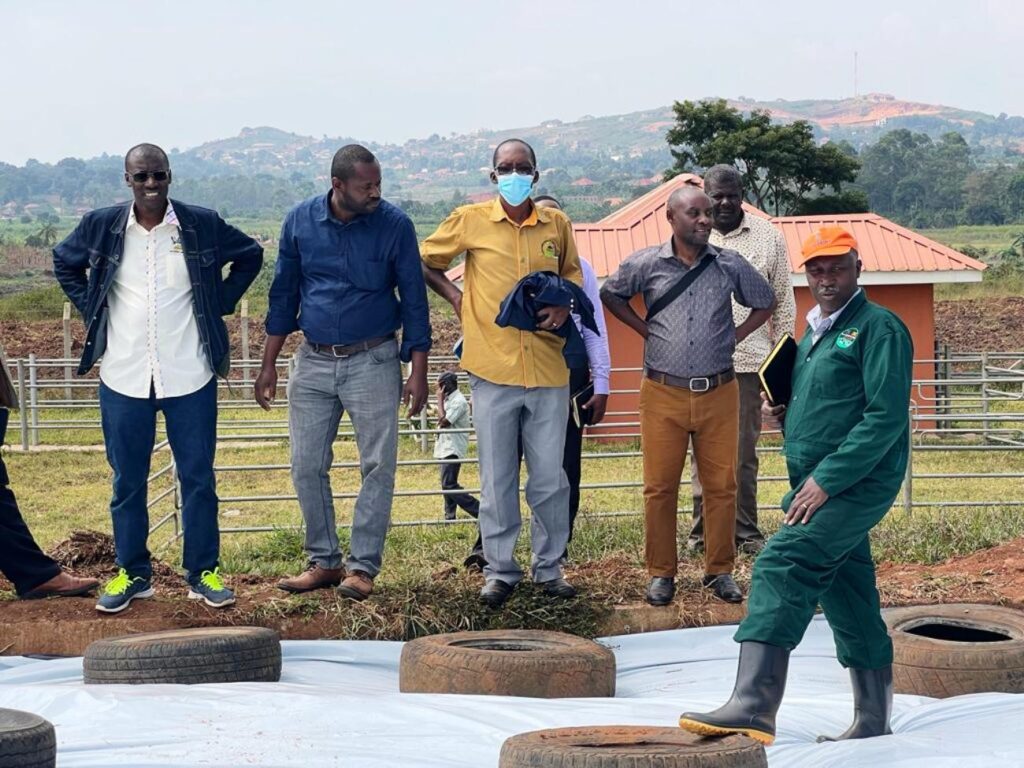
column 499, row 253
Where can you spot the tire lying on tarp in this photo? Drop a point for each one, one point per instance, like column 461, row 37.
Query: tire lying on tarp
column 949, row 650
column 547, row 665
column 186, row 656
column 625, row 746
column 26, row 740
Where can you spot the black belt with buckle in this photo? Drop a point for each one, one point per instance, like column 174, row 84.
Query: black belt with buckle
column 693, row 383
column 347, row 350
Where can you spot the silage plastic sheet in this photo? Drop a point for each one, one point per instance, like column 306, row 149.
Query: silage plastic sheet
column 338, row 704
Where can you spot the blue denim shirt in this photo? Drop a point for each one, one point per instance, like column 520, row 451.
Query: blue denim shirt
column 336, row 282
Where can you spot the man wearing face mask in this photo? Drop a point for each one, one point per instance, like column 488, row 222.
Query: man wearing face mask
column 342, row 256
column 519, row 379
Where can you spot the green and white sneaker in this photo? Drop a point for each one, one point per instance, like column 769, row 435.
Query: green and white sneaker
column 121, row 590
column 211, row 590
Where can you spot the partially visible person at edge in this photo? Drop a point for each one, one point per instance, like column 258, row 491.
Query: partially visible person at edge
column 452, row 444
column 760, row 242
column 597, row 371
column 519, row 379
column 341, row 257
column 33, row 573
column 147, row 276
column 689, row 386
column 846, row 452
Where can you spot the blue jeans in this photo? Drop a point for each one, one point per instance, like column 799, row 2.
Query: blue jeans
column 129, row 431
column 369, row 386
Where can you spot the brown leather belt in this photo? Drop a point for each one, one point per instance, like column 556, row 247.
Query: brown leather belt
column 693, row 383
column 347, row 350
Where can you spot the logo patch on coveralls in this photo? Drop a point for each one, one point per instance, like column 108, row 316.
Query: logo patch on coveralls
column 550, row 249
column 846, row 338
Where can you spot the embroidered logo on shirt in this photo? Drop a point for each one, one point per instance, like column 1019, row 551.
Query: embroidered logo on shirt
column 846, row 338
column 550, row 249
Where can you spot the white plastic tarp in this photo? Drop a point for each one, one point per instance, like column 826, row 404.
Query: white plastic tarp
column 338, row 704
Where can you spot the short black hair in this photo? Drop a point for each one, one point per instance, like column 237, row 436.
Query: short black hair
column 552, row 198
column 533, row 155
column 146, row 149
column 716, row 174
column 343, row 166
column 449, row 381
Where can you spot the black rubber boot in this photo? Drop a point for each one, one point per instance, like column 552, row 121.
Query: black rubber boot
column 760, row 683
column 872, row 705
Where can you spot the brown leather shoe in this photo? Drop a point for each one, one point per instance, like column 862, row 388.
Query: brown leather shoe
column 62, row 585
column 357, row 585
column 314, row 577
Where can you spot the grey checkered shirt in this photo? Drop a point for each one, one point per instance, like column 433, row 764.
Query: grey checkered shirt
column 694, row 335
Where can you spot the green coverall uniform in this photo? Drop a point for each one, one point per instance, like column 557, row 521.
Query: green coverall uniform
column 846, row 426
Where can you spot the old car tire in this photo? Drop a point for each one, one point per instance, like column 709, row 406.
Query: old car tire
column 948, row 650
column 626, row 746
column 547, row 665
column 26, row 740
column 186, row 656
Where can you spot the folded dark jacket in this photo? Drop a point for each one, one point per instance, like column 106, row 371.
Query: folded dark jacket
column 546, row 289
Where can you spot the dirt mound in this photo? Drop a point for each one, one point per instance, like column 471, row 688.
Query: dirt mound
column 976, row 325
column 91, row 553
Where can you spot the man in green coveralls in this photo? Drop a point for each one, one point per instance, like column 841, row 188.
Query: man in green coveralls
column 846, row 451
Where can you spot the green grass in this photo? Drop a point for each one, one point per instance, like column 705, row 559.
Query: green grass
column 994, row 238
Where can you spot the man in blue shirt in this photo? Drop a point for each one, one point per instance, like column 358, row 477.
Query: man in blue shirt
column 341, row 257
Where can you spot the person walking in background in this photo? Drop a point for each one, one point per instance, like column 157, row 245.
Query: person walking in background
column 147, row 276
column 758, row 241
column 597, row 373
column 688, row 387
column 846, row 453
column 519, row 379
column 33, row 573
column 452, row 445
column 341, row 258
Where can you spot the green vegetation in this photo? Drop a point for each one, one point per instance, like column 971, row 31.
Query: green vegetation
column 783, row 168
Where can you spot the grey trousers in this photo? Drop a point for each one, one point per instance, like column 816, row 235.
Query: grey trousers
column 501, row 414
column 746, row 467
column 369, row 386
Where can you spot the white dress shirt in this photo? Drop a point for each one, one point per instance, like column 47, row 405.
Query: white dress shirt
column 821, row 325
column 152, row 335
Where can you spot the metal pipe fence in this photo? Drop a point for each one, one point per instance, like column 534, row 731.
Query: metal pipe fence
column 974, row 403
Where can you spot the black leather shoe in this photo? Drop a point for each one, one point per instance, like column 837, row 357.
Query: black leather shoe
column 751, row 547
column 724, row 588
column 495, row 593
column 751, row 710
column 661, row 590
column 559, row 588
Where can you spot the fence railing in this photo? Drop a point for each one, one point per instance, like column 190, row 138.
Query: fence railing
column 975, row 402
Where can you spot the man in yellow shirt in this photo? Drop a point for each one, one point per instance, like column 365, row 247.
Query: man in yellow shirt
column 519, row 379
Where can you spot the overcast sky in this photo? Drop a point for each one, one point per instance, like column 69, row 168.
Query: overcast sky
column 82, row 78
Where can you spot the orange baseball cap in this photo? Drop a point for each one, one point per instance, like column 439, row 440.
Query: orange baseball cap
column 827, row 241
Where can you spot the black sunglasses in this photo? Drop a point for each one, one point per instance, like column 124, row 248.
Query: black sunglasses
column 505, row 170
column 141, row 176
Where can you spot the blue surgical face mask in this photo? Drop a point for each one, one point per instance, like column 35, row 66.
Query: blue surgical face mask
column 515, row 187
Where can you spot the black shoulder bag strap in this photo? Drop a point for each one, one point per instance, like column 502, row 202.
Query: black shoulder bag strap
column 676, row 290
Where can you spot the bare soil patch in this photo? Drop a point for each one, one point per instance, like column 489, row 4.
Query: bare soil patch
column 398, row 612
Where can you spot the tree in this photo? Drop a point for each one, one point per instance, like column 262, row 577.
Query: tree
column 782, row 165
column 46, row 236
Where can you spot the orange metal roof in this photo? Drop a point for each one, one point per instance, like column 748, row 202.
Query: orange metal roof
column 884, row 246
